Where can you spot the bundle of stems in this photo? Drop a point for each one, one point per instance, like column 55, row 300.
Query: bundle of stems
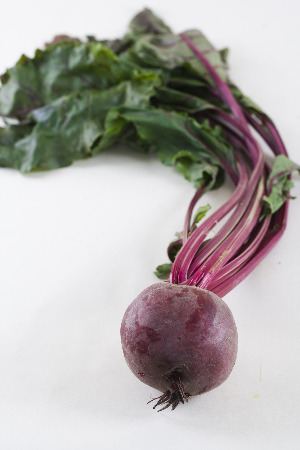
column 220, row 263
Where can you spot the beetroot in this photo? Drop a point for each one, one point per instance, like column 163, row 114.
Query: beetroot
column 178, row 339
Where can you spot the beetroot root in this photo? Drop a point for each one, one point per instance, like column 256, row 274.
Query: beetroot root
column 180, row 340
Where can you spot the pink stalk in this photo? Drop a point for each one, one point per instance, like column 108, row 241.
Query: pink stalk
column 240, row 244
column 226, row 95
column 188, row 252
column 226, row 250
column 239, row 261
column 268, row 243
column 226, row 229
column 187, row 222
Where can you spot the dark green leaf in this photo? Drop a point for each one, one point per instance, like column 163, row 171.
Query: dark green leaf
column 279, row 184
column 138, row 94
column 173, row 99
column 196, row 149
column 168, row 51
column 195, row 170
column 174, row 248
column 201, row 212
column 8, row 137
column 224, row 54
column 57, row 71
column 146, row 22
column 73, row 126
column 163, row 271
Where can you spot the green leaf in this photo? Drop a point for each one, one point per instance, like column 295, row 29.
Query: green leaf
column 163, row 271
column 197, row 150
column 173, row 99
column 73, row 126
column 279, row 184
column 174, row 248
column 197, row 171
column 138, row 93
column 8, row 137
column 57, row 71
column 169, row 52
column 201, row 212
column 81, row 98
column 224, row 52
column 147, row 22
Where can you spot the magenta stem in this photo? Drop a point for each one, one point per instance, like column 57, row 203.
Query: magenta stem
column 242, row 242
column 187, row 253
column 225, row 230
column 229, row 247
column 238, row 262
column 267, row 244
column 187, row 222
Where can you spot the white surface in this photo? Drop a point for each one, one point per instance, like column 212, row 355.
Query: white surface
column 78, row 244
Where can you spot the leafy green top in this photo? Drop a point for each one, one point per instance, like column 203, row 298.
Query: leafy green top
column 147, row 90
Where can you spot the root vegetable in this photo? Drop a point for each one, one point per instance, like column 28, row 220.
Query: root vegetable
column 180, row 340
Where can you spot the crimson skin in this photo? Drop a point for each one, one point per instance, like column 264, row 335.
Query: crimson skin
column 179, row 338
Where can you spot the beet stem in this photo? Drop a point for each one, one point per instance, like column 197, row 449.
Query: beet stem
column 240, row 244
column 187, row 253
column 187, row 222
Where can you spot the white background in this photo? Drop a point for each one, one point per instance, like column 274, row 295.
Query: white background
column 78, row 244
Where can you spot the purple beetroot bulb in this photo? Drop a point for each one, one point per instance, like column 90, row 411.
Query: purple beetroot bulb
column 180, row 340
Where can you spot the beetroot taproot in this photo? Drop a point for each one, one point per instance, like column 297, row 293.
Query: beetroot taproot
column 180, row 340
